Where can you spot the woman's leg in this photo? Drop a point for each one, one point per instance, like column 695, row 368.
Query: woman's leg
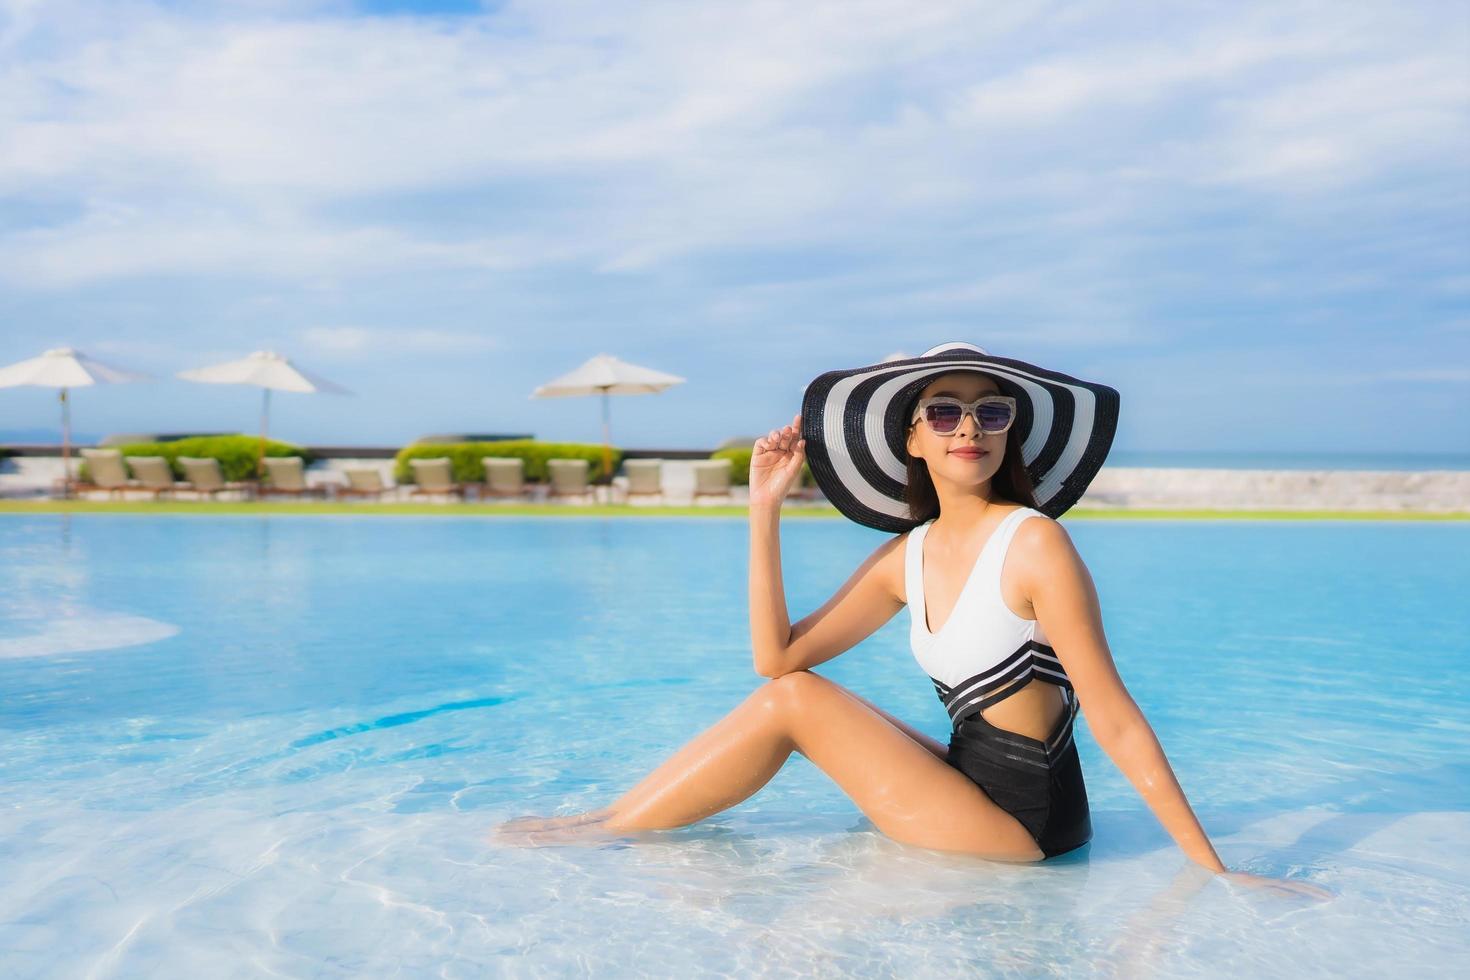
column 694, row 750
column 908, row 792
column 936, row 748
column 718, row 768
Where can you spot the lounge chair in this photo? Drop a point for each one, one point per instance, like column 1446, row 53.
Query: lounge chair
column 569, row 478
column 286, row 475
column 505, row 476
column 152, row 473
column 802, row 491
column 435, row 476
column 645, row 478
column 202, row 476
column 107, row 472
column 805, row 492
column 362, row 482
column 712, row 478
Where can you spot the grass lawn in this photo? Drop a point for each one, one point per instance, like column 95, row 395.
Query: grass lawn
column 206, row 507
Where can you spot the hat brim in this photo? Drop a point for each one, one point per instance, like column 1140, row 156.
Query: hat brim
column 853, row 424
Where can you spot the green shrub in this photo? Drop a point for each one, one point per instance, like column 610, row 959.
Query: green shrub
column 739, row 464
column 465, row 457
column 236, row 454
column 740, row 467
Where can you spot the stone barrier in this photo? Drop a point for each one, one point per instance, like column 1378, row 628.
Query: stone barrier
column 1150, row 487
column 1129, row 488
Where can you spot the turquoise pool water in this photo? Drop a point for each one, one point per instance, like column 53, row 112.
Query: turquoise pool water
column 247, row 746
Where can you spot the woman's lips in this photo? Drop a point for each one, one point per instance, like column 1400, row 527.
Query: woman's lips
column 967, row 453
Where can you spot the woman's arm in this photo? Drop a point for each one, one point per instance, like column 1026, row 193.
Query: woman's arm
column 775, row 462
column 1137, row 752
column 864, row 603
column 770, row 624
column 1065, row 600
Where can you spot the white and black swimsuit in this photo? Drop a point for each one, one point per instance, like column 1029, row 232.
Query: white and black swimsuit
column 983, row 654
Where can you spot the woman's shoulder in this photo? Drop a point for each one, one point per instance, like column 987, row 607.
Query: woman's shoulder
column 1040, row 538
column 897, row 547
column 902, row 537
column 1031, row 512
column 892, row 556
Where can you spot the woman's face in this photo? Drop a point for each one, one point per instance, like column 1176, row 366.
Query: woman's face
column 966, row 456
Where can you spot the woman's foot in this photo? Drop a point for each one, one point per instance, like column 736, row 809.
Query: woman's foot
column 533, row 824
column 581, row 833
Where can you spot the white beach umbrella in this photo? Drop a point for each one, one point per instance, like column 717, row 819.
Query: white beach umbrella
column 64, row 367
column 607, row 375
column 268, row 371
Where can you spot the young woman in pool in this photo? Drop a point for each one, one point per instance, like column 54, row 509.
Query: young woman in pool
column 1004, row 618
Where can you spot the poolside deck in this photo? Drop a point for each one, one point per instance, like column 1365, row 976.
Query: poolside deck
column 31, row 478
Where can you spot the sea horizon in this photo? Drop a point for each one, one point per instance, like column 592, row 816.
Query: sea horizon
column 1206, row 459
column 1139, row 458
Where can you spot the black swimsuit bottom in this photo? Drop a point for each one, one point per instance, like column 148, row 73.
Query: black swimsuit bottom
column 1039, row 783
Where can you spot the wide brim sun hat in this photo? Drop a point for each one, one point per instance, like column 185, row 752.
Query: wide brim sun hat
column 854, row 422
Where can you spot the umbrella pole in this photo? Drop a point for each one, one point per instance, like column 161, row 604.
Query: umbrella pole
column 265, row 414
column 606, row 440
column 65, row 445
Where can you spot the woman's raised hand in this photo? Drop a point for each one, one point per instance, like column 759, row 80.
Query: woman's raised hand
column 775, row 462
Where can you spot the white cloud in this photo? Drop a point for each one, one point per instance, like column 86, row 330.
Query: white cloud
column 1449, row 374
column 1227, row 372
column 157, row 353
column 245, row 142
column 120, row 241
column 1131, row 73
column 354, row 340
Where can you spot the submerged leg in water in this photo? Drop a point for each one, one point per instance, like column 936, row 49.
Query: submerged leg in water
column 897, row 777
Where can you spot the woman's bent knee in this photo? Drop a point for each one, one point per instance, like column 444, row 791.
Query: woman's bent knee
column 789, row 694
column 793, row 696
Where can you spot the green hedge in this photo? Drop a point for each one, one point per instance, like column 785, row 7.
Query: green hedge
column 740, row 467
column 464, row 457
column 236, row 454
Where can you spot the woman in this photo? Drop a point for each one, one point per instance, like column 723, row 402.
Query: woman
column 1004, row 618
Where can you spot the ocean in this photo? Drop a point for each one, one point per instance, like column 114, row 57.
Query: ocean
column 1212, row 460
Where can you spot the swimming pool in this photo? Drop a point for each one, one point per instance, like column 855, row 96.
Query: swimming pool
column 239, row 746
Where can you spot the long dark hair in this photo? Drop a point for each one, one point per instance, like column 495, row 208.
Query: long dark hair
column 1010, row 482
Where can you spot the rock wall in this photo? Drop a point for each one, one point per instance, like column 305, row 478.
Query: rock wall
column 1143, row 487
column 1114, row 487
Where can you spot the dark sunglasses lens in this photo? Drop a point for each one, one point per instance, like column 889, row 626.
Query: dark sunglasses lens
column 994, row 417
column 943, row 418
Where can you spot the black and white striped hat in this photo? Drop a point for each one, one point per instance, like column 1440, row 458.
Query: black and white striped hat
column 854, row 425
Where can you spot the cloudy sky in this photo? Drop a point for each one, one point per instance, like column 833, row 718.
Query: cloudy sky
column 1252, row 220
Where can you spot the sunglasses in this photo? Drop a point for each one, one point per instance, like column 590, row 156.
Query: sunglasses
column 995, row 413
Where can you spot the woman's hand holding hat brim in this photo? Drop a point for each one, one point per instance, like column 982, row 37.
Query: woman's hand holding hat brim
column 775, row 462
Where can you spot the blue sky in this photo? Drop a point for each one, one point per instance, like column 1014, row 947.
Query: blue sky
column 1252, row 220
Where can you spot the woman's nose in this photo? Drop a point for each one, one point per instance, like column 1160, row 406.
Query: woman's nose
column 968, row 426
